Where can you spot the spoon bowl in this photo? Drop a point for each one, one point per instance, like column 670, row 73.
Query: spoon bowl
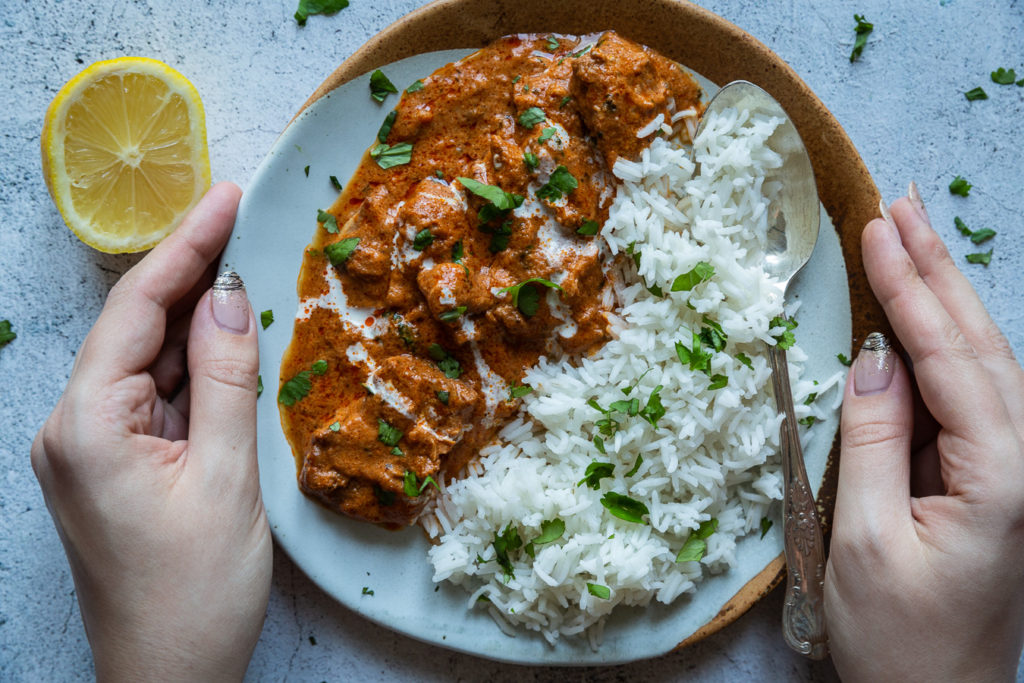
column 793, row 221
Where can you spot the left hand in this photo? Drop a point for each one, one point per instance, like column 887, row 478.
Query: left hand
column 150, row 472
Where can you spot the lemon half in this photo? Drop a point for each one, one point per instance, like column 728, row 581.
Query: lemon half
column 124, row 153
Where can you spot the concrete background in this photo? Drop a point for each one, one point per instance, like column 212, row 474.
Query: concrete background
column 902, row 105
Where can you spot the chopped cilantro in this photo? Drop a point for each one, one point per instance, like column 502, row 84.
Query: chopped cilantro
column 335, row 426
column 531, row 160
column 976, row 236
column 565, row 100
column 624, row 507
column 702, row 272
column 423, row 239
column 457, row 252
column 599, row 591
column 531, row 117
column 695, row 357
column 861, row 32
column 787, row 338
column 550, row 531
column 984, row 257
column 636, row 465
column 976, row 94
column 713, row 335
column 844, row 360
column 266, row 318
column 295, row 389
column 599, row 445
column 445, row 362
column 552, row 43
column 696, row 545
column 328, row 219
column 336, row 183
column 500, row 200
column 452, row 315
column 306, row 171
column 415, row 87
column 385, row 128
column 807, row 421
column 518, row 391
column 388, row 156
column 718, row 381
column 310, row 7
column 443, row 396
column 743, row 358
column 546, row 134
column 561, row 181
column 259, row 378
column 589, row 227
column 1004, row 76
column 386, row 434
column 367, row 591
column 504, row 542
column 319, row 367
column 653, row 411
column 596, row 471
column 766, row 524
column 527, row 299
column 381, row 86
column 339, row 252
column 960, row 186
column 385, row 498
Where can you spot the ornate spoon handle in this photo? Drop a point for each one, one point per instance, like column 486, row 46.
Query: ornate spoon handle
column 803, row 614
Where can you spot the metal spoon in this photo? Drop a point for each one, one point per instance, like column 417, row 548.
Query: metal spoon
column 792, row 233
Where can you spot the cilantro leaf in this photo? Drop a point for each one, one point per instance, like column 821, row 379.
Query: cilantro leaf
column 531, row 160
column 386, row 434
column 339, row 252
column 696, row 545
column 443, row 397
column 381, row 86
column 599, row 445
column 702, row 272
column 307, row 8
column 636, row 465
column 329, row 220
column 501, row 200
column 266, row 318
column 1004, row 76
column 766, row 524
column 423, row 239
column 385, row 498
column 367, row 591
column 415, row 87
column 385, row 128
column 960, row 186
column 599, row 591
column 457, row 252
column 504, row 542
column 653, row 411
column 861, row 32
column 787, row 338
column 546, row 134
column 979, row 236
column 336, row 183
column 452, row 315
column 413, row 488
column 445, row 362
column 319, row 367
column 718, row 381
column 550, row 531
column 259, row 378
column 561, row 181
column 743, row 358
column 595, row 472
column 527, row 300
column 552, row 43
column 624, row 507
column 531, row 117
column 976, row 94
column 844, row 360
column 589, row 227
column 388, row 156
column 984, row 257
column 518, row 391
column 295, row 389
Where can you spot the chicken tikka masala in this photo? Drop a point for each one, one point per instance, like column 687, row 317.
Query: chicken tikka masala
column 462, row 250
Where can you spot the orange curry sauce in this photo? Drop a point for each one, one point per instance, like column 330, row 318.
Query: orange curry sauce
column 421, row 348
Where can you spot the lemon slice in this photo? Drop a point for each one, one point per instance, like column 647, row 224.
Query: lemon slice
column 124, row 153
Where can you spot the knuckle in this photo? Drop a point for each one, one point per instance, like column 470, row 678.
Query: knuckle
column 237, row 373
column 872, row 434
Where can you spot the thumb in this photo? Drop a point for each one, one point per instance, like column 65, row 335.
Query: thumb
column 876, row 429
column 223, row 361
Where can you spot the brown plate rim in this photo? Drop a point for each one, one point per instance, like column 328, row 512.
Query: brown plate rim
column 720, row 51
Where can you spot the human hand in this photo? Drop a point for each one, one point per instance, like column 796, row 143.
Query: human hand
column 925, row 576
column 150, row 471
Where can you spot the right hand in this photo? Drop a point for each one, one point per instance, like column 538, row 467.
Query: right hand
column 925, row 578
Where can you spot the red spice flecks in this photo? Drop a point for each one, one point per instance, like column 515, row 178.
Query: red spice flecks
column 369, row 321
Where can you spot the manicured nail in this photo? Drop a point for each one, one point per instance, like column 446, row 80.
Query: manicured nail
column 915, row 200
column 888, row 219
column 230, row 304
column 873, row 369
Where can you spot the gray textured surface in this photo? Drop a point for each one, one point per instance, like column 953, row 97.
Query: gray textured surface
column 902, row 105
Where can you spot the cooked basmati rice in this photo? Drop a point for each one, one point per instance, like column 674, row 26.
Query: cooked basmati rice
column 714, row 453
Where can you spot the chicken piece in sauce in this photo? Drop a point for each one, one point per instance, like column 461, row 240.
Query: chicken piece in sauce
column 428, row 340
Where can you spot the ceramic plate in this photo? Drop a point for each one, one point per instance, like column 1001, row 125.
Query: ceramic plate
column 276, row 221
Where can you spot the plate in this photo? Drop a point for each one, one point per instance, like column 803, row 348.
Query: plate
column 276, row 221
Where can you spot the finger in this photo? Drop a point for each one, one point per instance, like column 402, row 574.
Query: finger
column 926, row 472
column 130, row 331
column 169, row 367
column 875, row 432
column 223, row 361
column 954, row 385
column 957, row 296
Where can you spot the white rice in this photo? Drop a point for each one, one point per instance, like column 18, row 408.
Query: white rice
column 714, row 454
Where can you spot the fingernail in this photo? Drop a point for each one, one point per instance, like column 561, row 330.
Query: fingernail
column 873, row 369
column 888, row 219
column 915, row 200
column 230, row 304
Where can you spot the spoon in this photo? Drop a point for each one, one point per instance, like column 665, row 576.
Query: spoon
column 793, row 230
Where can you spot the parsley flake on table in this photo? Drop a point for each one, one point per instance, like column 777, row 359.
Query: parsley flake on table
column 599, row 591
column 386, row 434
column 339, row 252
column 1004, row 76
column 976, row 94
column 385, row 128
column 960, row 186
column 381, row 86
column 527, row 299
column 696, row 545
column 531, row 117
column 6, row 335
column 861, row 32
column 561, row 181
column 295, row 389
column 702, row 272
column 984, row 257
column 267, row 318
column 330, row 222
column 624, row 507
column 388, row 156
column 309, row 7
column 976, row 236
